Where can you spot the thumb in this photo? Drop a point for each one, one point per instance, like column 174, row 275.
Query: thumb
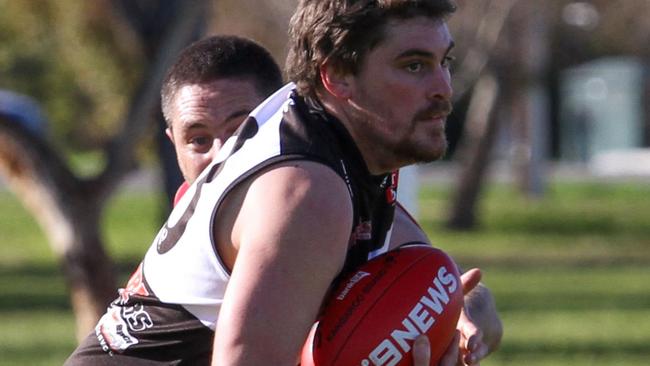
column 470, row 279
column 421, row 351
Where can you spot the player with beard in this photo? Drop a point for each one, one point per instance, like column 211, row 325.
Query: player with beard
column 312, row 167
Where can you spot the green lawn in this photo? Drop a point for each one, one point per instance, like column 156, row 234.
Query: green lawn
column 570, row 273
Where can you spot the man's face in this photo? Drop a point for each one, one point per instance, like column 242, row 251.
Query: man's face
column 204, row 116
column 401, row 96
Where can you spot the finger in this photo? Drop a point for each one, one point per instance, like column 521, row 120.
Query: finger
column 471, row 335
column 471, row 341
column 474, row 357
column 470, row 279
column 421, row 351
column 451, row 355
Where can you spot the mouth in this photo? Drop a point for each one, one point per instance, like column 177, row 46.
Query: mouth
column 441, row 117
column 438, row 111
column 438, row 118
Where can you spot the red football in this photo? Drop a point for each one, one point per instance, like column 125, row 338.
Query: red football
column 375, row 313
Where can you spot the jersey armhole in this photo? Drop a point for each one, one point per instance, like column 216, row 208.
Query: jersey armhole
column 257, row 169
column 408, row 214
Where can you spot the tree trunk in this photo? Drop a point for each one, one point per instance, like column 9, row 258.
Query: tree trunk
column 68, row 215
column 646, row 103
column 529, row 103
column 69, row 208
column 530, row 120
column 480, row 132
column 481, row 122
column 90, row 275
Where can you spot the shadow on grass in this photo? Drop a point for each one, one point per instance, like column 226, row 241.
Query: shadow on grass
column 570, row 302
column 550, row 262
column 36, row 354
column 567, row 225
column 42, row 287
column 574, row 225
column 543, row 350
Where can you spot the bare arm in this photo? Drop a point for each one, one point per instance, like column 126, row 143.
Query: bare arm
column 291, row 237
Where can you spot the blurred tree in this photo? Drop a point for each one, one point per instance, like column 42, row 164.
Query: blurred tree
column 65, row 55
column 524, row 45
column 267, row 22
column 476, row 61
column 67, row 206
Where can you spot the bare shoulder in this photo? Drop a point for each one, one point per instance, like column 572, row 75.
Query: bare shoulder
column 294, row 195
column 301, row 192
column 296, row 178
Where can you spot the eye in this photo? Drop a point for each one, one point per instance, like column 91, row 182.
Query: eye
column 414, row 67
column 201, row 143
column 447, row 61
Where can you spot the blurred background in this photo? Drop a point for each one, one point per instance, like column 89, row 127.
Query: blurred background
column 546, row 185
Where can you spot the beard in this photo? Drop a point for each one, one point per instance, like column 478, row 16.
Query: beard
column 418, row 147
column 422, row 140
column 423, row 147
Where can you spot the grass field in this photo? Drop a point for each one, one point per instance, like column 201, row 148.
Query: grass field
column 570, row 273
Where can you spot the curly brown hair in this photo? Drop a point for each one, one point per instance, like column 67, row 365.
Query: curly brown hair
column 344, row 31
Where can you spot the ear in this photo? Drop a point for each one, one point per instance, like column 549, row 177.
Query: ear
column 170, row 134
column 335, row 82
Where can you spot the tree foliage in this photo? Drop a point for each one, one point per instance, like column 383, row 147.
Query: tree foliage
column 68, row 206
column 76, row 60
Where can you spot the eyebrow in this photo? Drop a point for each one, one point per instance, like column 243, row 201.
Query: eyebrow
column 201, row 124
column 239, row 113
column 421, row 53
column 451, row 46
column 195, row 125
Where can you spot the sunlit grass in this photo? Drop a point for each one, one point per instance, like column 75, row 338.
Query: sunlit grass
column 569, row 272
column 35, row 336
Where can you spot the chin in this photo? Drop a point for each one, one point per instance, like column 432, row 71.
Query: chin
column 432, row 149
column 432, row 156
column 415, row 153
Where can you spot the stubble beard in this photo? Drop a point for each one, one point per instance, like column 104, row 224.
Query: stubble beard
column 409, row 149
column 434, row 146
column 421, row 149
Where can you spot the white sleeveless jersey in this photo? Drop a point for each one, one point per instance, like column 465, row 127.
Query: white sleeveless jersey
column 174, row 298
column 184, row 248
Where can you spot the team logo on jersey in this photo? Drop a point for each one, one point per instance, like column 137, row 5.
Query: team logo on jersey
column 114, row 329
column 137, row 319
column 363, row 231
column 391, row 187
column 135, row 286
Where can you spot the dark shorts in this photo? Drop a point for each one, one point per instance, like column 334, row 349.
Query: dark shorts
column 91, row 353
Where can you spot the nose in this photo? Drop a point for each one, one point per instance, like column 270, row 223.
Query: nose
column 440, row 86
column 216, row 147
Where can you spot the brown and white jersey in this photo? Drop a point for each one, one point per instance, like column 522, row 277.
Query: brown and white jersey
column 173, row 300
